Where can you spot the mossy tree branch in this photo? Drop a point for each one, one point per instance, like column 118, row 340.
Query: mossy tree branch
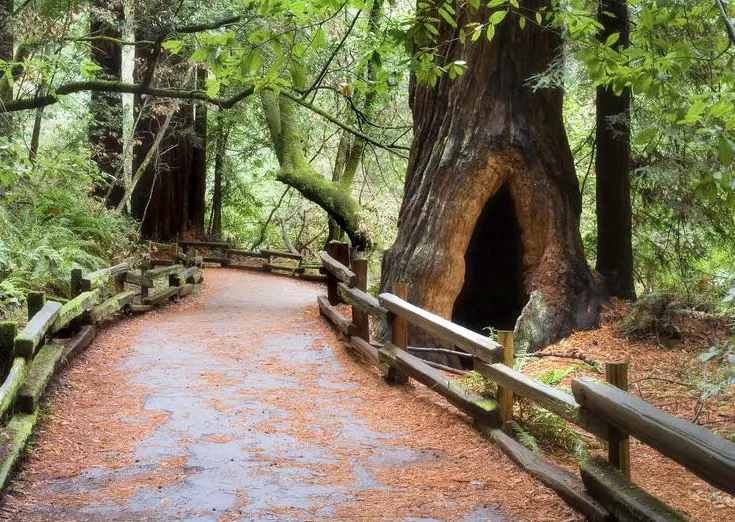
column 296, row 171
column 123, row 87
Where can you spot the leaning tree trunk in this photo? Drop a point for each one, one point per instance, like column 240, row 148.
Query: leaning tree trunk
column 489, row 225
column 105, row 129
column 612, row 167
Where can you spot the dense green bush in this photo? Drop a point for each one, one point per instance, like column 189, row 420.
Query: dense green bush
column 49, row 222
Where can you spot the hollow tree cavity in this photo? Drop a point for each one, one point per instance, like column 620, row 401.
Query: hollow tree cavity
column 488, row 142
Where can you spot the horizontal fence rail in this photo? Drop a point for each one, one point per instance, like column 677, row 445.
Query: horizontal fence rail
column 264, row 260
column 36, row 358
column 710, row 457
column 604, row 491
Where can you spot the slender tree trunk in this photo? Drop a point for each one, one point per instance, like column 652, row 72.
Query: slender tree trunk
column 127, row 74
column 36, row 133
column 488, row 233
column 105, row 130
column 612, row 166
column 219, row 165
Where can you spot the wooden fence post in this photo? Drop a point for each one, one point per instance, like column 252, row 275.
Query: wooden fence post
column 618, row 448
column 505, row 396
column 359, row 317
column 399, row 335
column 76, row 282
column 340, row 252
column 143, row 269
column 8, row 331
column 35, row 301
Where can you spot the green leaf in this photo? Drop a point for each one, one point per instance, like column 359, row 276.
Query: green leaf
column 610, row 41
column 431, row 28
column 724, row 150
column 495, row 3
column 320, row 39
column 490, row 32
column 539, row 19
column 522, row 22
column 199, row 55
column 447, row 17
column 173, row 45
column 645, row 136
column 497, row 17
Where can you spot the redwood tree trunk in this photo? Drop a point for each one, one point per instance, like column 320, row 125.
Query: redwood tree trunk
column 489, row 225
column 105, row 129
column 612, row 166
column 169, row 198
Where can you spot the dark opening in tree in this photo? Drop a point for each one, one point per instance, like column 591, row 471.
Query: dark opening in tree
column 493, row 293
column 473, row 135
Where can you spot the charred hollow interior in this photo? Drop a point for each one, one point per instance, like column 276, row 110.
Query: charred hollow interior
column 492, row 294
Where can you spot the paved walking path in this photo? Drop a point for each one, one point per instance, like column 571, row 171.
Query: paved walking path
column 240, row 404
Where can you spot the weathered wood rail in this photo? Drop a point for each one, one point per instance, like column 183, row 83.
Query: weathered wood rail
column 288, row 264
column 36, row 357
column 604, row 491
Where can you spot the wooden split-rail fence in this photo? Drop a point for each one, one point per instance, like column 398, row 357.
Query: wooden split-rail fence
column 35, row 356
column 606, row 410
column 225, row 254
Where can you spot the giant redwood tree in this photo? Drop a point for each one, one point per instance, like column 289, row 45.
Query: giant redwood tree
column 489, row 225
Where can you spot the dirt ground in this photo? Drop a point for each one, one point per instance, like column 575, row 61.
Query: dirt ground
column 664, row 372
column 241, row 404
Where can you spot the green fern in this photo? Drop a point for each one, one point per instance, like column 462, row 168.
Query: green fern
column 555, row 376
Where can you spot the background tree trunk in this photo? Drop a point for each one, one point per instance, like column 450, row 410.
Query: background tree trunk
column 169, row 199
column 612, row 166
column 219, row 165
column 6, row 54
column 105, row 128
column 489, row 225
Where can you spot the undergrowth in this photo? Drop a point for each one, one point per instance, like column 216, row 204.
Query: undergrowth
column 534, row 426
column 46, row 228
column 537, row 425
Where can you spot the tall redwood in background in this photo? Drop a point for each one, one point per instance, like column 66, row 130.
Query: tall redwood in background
column 489, row 225
column 105, row 128
column 612, row 165
column 169, row 198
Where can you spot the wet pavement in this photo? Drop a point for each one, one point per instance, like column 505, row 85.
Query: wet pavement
column 258, row 414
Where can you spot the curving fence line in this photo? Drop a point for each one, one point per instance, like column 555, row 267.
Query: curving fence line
column 36, row 358
column 604, row 491
column 289, row 264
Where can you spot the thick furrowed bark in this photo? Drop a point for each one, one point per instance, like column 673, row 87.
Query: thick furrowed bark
column 473, row 135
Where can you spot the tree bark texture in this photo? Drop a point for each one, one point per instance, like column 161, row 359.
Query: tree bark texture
column 489, row 224
column 6, row 55
column 612, row 166
column 105, row 129
column 169, row 198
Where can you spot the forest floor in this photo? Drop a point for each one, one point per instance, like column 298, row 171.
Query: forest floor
column 664, row 371
column 241, row 404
